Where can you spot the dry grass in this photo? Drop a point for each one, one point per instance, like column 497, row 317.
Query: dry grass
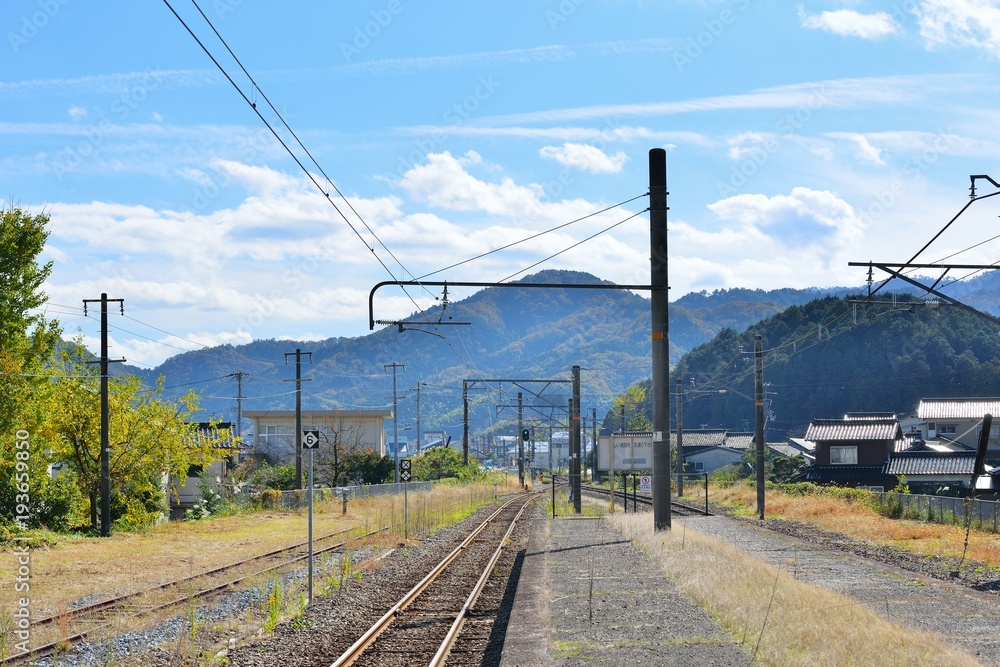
column 125, row 562
column 781, row 620
column 859, row 521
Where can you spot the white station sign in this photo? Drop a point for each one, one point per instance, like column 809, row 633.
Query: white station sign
column 632, row 451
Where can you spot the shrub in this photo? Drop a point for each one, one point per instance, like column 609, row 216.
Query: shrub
column 267, row 476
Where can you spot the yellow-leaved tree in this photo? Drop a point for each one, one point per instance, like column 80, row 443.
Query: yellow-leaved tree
column 150, row 440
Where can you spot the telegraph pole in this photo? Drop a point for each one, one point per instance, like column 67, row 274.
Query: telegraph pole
column 239, row 375
column 298, row 411
column 520, row 439
column 465, row 424
column 419, row 441
column 531, row 459
column 574, row 443
column 680, row 444
column 395, row 415
column 593, row 442
column 105, row 445
column 660, row 337
column 758, row 363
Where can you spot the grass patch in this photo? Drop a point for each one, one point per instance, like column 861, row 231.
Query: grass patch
column 74, row 567
column 850, row 514
column 778, row 619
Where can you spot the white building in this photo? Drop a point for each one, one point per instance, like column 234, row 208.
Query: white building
column 274, row 430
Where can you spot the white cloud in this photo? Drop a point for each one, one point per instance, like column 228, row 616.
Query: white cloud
column 950, row 23
column 750, row 145
column 443, row 182
column 77, row 112
column 842, row 93
column 849, row 23
column 865, row 151
column 585, row 157
column 803, row 217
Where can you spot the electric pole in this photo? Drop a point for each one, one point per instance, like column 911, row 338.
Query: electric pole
column 680, row 445
column 520, row 440
column 465, row 424
column 758, row 359
column 574, row 443
column 105, row 445
column 660, row 333
column 419, row 441
column 239, row 375
column 298, row 410
column 395, row 415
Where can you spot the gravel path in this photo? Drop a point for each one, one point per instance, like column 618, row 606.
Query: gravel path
column 589, row 596
column 583, row 588
column 900, row 587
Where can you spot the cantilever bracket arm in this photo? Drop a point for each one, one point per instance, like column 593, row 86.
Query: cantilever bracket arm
column 422, row 283
column 972, row 183
column 916, row 283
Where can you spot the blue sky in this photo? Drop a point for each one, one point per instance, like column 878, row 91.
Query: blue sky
column 799, row 137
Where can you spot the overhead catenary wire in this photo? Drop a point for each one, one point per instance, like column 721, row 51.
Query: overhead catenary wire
column 532, row 237
column 298, row 161
column 578, row 243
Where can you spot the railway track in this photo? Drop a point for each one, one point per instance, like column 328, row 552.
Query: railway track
column 645, row 501
column 76, row 625
column 426, row 624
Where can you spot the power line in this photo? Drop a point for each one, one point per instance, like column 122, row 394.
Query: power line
column 605, row 230
column 532, row 237
column 292, row 154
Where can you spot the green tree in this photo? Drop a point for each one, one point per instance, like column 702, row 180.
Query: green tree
column 151, row 440
column 27, row 343
column 441, row 463
column 27, row 338
column 367, row 467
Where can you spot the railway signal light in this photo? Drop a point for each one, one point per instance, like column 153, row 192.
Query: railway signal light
column 525, row 435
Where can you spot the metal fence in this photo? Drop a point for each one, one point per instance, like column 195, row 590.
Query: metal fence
column 382, row 489
column 300, row 498
column 984, row 514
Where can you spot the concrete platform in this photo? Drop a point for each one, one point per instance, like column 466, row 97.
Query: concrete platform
column 587, row 596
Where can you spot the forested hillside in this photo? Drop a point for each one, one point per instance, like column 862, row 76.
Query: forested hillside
column 514, row 333
column 824, row 359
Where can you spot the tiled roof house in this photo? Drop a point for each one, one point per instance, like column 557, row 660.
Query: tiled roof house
column 853, row 451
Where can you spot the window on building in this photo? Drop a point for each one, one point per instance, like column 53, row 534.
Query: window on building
column 275, row 435
column 946, row 429
column 699, row 465
column 844, row 455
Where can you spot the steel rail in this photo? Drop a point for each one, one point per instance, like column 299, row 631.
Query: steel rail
column 53, row 647
column 456, row 627
column 110, row 602
column 645, row 500
column 370, row 635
